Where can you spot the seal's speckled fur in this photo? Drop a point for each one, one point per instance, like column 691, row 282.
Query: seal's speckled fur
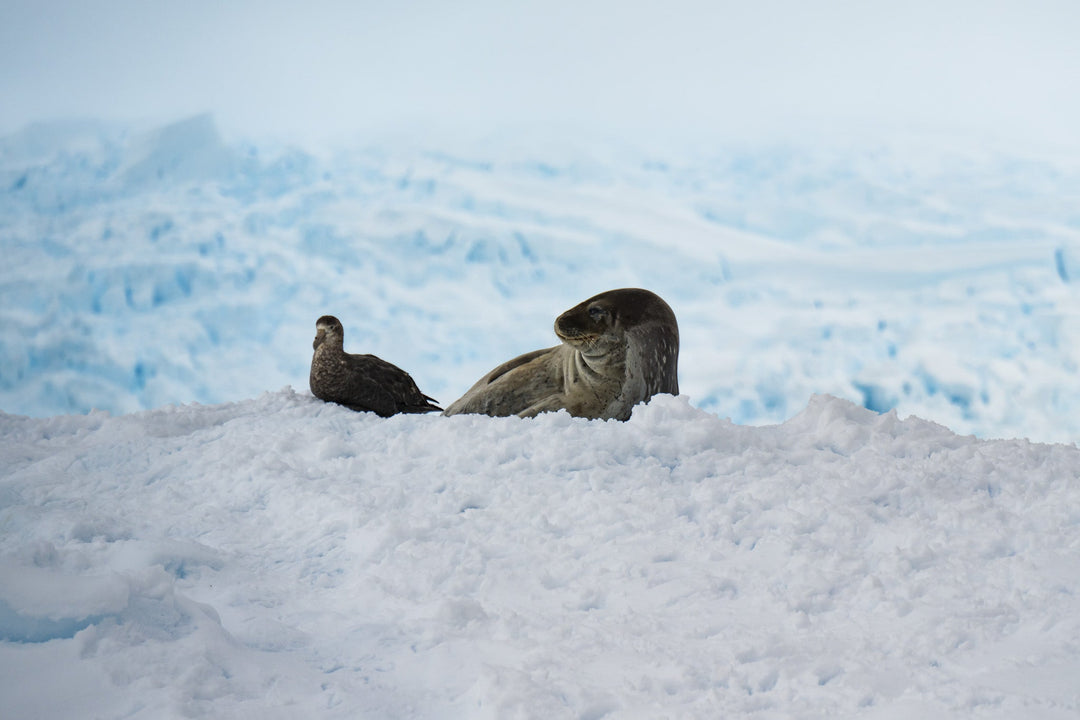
column 619, row 349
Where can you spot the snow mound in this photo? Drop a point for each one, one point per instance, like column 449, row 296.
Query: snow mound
column 282, row 557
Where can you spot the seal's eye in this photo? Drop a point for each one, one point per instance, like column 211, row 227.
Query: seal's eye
column 597, row 313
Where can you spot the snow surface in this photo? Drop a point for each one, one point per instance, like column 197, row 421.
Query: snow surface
column 280, row 557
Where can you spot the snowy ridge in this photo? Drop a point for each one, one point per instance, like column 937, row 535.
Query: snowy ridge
column 282, row 557
column 172, row 266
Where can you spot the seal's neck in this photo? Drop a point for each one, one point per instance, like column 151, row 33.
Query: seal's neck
column 608, row 363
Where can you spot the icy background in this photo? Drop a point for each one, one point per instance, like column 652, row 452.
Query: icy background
column 170, row 266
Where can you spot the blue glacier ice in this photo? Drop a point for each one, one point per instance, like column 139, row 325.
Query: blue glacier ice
column 171, row 265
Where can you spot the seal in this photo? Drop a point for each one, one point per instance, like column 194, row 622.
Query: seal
column 360, row 382
column 619, row 348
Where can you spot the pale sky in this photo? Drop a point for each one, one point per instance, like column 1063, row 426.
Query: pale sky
column 320, row 68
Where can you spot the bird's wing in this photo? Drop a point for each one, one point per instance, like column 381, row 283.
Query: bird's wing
column 397, row 385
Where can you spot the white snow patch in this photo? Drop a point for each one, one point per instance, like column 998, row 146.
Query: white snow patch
column 282, row 557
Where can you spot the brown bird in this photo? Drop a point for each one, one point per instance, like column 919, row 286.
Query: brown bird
column 360, row 382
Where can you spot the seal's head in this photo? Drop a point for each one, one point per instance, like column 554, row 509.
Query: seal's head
column 593, row 327
column 628, row 326
column 328, row 328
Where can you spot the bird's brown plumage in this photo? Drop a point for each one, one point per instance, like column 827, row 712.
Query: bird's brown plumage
column 360, row 382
